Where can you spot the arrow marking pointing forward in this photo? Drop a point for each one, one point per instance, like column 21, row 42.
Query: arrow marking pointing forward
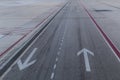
column 85, row 53
column 26, row 64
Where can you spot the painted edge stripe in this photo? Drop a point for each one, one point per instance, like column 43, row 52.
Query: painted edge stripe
column 115, row 49
column 9, row 48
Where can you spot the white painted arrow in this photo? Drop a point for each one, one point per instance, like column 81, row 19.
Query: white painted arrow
column 85, row 53
column 26, row 64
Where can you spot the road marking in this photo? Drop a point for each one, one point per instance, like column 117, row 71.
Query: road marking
column 109, row 42
column 61, row 44
column 85, row 53
column 27, row 47
column 37, row 26
column 58, row 53
column 55, row 66
column 52, row 75
column 22, row 54
column 62, row 40
column 59, row 48
column 56, row 59
column 26, row 64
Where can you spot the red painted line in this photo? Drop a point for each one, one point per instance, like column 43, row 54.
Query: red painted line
column 116, row 50
column 8, row 49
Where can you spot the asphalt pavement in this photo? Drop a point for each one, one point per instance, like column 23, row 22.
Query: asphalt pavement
column 71, row 48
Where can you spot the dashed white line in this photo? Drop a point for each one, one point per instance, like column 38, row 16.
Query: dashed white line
column 62, row 39
column 61, row 44
column 56, row 59
column 58, row 53
column 55, row 66
column 59, row 48
column 52, row 75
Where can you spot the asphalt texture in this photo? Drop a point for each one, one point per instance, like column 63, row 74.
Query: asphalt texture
column 56, row 55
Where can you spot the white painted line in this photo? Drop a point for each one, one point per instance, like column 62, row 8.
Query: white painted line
column 101, row 33
column 61, row 44
column 58, row 53
column 26, row 49
column 23, row 53
column 59, row 48
column 56, row 60
column 55, row 66
column 27, row 62
column 32, row 53
column 52, row 75
column 87, row 64
column 85, row 52
column 108, row 45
